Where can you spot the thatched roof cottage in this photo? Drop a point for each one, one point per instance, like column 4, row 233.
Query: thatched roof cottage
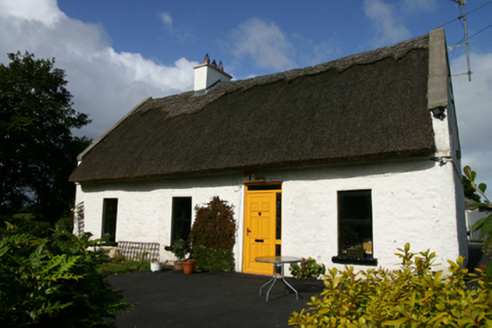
column 360, row 152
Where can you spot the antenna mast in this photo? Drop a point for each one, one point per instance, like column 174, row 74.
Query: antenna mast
column 469, row 73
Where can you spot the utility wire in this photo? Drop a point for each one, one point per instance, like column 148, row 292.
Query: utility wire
column 479, row 31
column 468, row 13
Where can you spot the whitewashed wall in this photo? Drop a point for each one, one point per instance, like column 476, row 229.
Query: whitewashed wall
column 412, row 201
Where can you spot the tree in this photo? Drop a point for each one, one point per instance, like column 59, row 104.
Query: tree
column 38, row 150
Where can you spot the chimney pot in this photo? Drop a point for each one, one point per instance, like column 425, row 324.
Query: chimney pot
column 214, row 64
column 206, row 60
column 220, row 66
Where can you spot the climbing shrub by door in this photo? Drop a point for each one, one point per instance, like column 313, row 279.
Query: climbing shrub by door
column 213, row 236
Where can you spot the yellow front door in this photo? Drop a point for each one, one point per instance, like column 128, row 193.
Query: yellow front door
column 259, row 229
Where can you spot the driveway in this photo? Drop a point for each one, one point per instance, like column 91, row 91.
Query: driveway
column 216, row 299
column 210, row 299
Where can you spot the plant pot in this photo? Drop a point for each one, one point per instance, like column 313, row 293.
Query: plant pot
column 188, row 266
column 155, row 266
column 178, row 266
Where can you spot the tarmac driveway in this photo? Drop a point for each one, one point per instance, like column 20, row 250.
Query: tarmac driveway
column 208, row 299
column 216, row 299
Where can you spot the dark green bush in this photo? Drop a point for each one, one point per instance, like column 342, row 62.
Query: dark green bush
column 51, row 280
column 213, row 259
column 213, row 236
column 414, row 296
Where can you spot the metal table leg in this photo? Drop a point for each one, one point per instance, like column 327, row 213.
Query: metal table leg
column 274, row 280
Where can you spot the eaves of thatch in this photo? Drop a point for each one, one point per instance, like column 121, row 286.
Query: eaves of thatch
column 369, row 106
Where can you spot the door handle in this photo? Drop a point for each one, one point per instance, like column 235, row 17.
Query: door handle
column 247, row 231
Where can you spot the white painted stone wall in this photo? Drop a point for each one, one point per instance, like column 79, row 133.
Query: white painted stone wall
column 412, row 201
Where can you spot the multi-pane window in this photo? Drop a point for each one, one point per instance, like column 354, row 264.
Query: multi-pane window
column 355, row 224
column 110, row 211
column 181, row 219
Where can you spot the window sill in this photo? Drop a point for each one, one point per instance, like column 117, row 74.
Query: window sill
column 355, row 260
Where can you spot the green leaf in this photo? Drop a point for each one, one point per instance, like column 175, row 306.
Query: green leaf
column 488, row 271
column 468, row 172
column 395, row 322
column 481, row 222
column 482, row 187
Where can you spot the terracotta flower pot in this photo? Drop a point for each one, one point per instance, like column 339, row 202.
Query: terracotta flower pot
column 188, row 266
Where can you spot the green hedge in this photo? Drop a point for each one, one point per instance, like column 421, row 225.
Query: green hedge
column 414, row 296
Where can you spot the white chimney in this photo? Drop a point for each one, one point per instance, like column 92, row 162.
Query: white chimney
column 207, row 75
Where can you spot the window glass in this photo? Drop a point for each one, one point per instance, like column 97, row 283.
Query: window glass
column 181, row 219
column 355, row 224
column 110, row 211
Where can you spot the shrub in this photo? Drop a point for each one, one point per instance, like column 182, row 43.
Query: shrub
column 484, row 224
column 308, row 269
column 414, row 296
column 213, row 259
column 52, row 280
column 213, row 236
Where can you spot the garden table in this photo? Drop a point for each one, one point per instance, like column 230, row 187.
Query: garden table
column 278, row 262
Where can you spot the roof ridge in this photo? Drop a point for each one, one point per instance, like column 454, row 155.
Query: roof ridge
column 395, row 51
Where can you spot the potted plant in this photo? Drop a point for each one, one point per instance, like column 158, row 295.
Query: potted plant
column 179, row 249
column 155, row 265
column 355, row 252
column 189, row 263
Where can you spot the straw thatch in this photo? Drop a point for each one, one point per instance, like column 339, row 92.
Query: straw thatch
column 363, row 107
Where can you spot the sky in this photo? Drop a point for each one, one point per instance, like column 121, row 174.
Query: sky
column 118, row 52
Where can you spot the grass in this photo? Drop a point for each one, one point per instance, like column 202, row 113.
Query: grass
column 118, row 267
column 111, row 268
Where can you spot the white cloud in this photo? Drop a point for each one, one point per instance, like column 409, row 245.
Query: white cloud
column 419, row 5
column 388, row 26
column 182, row 34
column 474, row 110
column 46, row 11
column 167, row 20
column 264, row 43
column 105, row 84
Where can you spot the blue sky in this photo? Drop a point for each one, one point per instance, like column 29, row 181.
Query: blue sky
column 118, row 52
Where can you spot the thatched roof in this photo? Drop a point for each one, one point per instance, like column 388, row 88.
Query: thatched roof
column 363, row 107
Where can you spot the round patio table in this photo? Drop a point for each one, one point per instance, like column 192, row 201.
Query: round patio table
column 278, row 262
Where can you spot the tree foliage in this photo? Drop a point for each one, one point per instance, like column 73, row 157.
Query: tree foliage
column 213, row 235
column 470, row 191
column 50, row 279
column 414, row 296
column 38, row 151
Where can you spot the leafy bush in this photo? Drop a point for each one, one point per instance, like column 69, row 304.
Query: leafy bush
column 213, row 259
column 308, row 269
column 484, row 224
column 414, row 296
column 50, row 279
column 213, row 236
